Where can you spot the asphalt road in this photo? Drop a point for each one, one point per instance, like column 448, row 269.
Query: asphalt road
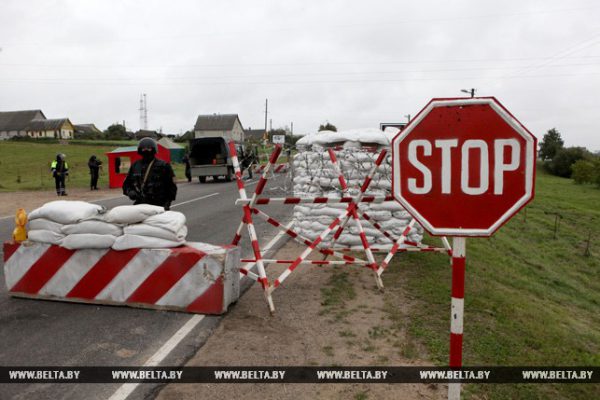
column 49, row 333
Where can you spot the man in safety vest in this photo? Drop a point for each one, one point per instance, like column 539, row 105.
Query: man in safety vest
column 60, row 170
column 150, row 180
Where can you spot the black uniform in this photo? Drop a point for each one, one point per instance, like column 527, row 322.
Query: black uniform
column 159, row 187
column 94, row 165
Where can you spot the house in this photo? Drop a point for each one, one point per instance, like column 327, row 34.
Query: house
column 15, row 123
column 85, row 131
column 60, row 128
column 254, row 135
column 145, row 133
column 219, row 125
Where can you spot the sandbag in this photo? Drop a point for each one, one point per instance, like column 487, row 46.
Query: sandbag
column 172, row 221
column 43, row 236
column 46, row 225
column 88, row 241
column 93, row 227
column 67, row 212
column 126, row 215
column 153, row 231
column 126, row 242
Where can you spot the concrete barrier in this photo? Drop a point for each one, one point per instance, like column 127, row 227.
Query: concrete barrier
column 196, row 278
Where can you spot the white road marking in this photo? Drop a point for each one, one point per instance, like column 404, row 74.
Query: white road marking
column 126, row 389
column 196, row 199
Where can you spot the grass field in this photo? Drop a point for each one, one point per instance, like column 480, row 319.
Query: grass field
column 532, row 296
column 26, row 165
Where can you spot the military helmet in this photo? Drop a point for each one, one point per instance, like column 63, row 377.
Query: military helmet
column 147, row 143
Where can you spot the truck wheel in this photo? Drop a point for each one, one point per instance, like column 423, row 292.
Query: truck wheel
column 229, row 175
column 202, row 179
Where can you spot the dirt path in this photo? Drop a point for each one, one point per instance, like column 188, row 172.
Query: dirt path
column 30, row 200
column 325, row 316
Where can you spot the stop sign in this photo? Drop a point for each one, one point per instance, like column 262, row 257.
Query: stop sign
column 463, row 167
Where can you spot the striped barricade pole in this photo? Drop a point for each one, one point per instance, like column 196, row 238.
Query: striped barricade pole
column 300, row 239
column 395, row 247
column 247, row 220
column 316, row 200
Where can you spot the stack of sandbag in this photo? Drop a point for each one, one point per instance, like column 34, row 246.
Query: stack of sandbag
column 315, row 175
column 81, row 225
column 148, row 227
column 55, row 221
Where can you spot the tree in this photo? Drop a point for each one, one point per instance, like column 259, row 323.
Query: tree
column 562, row 162
column 327, row 127
column 551, row 144
column 116, row 132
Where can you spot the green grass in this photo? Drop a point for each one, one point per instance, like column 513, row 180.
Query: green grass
column 529, row 299
column 26, row 165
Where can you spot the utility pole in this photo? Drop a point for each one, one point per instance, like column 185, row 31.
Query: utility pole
column 266, row 112
column 143, row 112
column 292, row 128
column 407, row 116
column 271, row 124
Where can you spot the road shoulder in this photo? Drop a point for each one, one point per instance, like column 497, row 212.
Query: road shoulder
column 325, row 316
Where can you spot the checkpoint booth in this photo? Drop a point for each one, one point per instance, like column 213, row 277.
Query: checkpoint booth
column 120, row 159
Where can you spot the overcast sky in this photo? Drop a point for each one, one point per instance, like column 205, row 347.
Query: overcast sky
column 352, row 63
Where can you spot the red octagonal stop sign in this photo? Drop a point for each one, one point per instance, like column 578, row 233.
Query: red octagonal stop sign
column 463, row 167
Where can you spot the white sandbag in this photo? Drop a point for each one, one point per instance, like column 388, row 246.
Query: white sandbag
column 126, row 242
column 380, row 215
column 93, row 227
column 132, row 214
column 154, row 231
column 43, row 236
column 45, row 224
column 67, row 212
column 386, row 206
column 172, row 221
column 88, row 241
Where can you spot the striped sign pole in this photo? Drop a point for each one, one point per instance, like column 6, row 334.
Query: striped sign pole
column 457, row 310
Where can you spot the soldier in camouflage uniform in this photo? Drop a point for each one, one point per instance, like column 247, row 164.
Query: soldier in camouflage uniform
column 150, row 180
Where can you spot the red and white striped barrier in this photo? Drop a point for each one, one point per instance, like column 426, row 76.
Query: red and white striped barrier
column 196, row 278
column 277, row 168
column 399, row 244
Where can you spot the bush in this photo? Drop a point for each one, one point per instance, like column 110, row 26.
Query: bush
column 585, row 171
column 562, row 163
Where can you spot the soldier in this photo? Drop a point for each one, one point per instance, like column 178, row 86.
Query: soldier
column 150, row 180
column 60, row 170
column 94, row 165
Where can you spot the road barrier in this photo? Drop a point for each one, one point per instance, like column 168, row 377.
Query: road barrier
column 352, row 211
column 196, row 278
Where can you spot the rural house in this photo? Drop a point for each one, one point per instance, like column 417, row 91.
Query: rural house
column 86, row 131
column 15, row 123
column 254, row 135
column 60, row 128
column 219, row 125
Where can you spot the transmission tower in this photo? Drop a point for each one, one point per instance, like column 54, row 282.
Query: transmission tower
column 143, row 112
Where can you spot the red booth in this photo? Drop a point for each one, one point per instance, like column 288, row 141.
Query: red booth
column 120, row 159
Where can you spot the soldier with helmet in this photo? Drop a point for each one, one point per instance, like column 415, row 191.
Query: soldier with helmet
column 60, row 170
column 150, row 180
